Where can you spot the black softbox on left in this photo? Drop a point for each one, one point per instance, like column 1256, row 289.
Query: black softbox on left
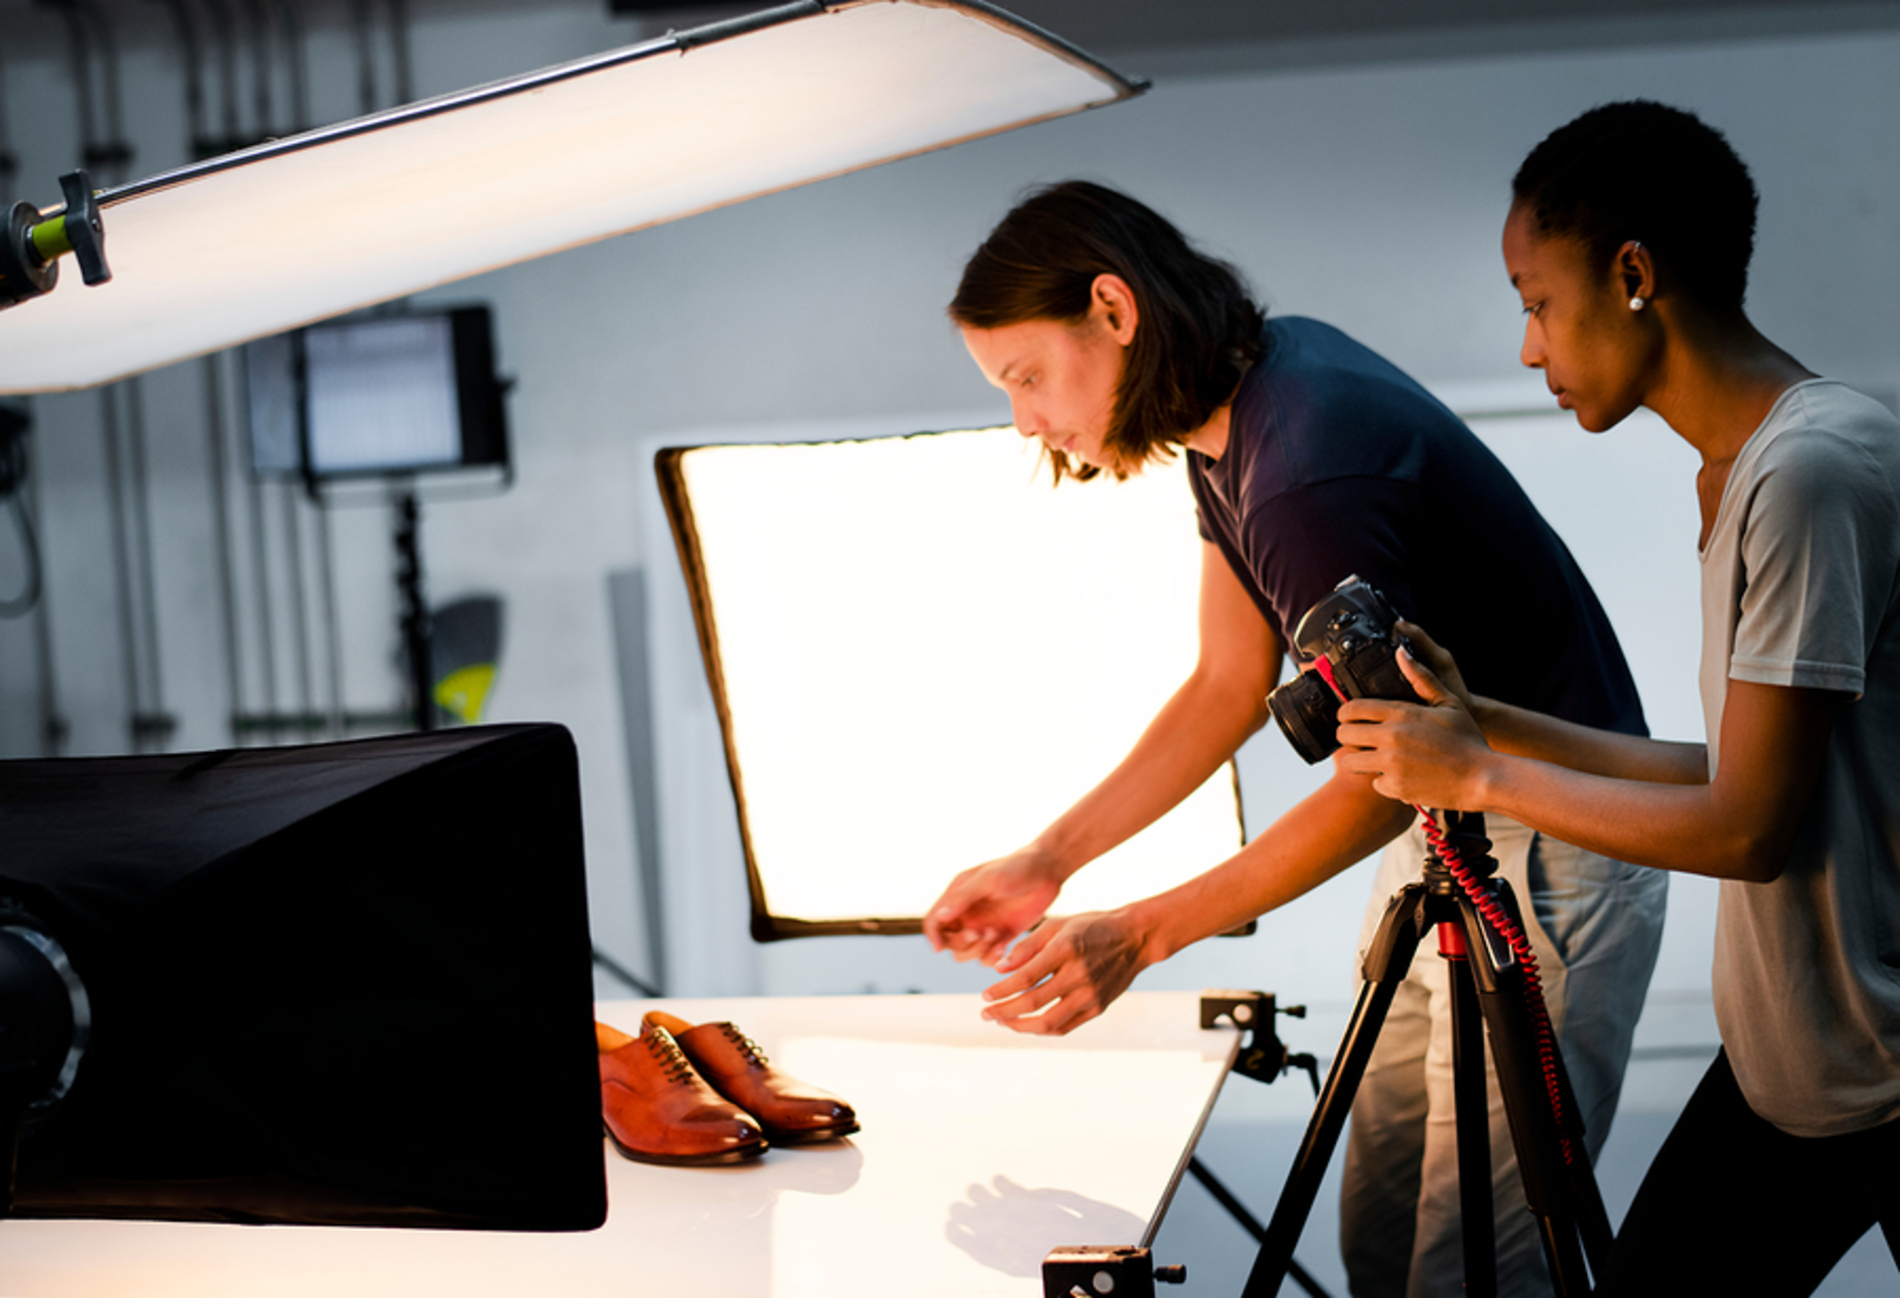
column 341, row 984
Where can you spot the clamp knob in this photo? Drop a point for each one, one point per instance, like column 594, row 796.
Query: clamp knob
column 84, row 232
column 30, row 247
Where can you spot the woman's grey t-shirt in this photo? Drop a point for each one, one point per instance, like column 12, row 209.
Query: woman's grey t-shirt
column 1801, row 587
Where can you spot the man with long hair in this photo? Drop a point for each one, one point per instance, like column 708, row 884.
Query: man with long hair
column 1311, row 459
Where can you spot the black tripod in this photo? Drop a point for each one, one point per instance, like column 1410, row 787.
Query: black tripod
column 1489, row 987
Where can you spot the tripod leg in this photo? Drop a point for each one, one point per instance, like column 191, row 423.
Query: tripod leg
column 1559, row 1186
column 1576, row 1188
column 1471, row 1103
column 1593, row 1217
column 1322, row 1137
column 1389, row 956
column 1590, row 1220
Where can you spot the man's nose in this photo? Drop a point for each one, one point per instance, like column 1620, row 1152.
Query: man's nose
column 1026, row 421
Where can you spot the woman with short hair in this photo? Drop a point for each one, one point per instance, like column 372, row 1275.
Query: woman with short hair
column 1629, row 238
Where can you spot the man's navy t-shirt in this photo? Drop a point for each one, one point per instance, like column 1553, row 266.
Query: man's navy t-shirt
column 1338, row 464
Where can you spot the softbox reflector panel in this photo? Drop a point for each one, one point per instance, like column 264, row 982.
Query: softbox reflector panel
column 343, row 984
column 921, row 653
column 301, row 229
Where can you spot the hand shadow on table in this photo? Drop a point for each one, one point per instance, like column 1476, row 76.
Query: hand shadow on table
column 1008, row 1228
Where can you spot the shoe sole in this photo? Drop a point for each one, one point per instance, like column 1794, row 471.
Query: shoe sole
column 783, row 1136
column 719, row 1158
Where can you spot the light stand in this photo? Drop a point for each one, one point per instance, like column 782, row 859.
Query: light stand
column 415, row 608
column 1472, row 911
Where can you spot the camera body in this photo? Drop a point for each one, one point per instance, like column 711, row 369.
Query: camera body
column 1352, row 630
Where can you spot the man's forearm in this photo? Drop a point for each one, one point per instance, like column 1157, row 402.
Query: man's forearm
column 1200, row 727
column 1340, row 824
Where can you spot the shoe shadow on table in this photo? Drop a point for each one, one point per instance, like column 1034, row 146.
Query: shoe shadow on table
column 1009, row 1228
column 829, row 1168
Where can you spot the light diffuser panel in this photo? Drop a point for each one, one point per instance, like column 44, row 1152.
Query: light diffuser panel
column 922, row 653
column 299, row 230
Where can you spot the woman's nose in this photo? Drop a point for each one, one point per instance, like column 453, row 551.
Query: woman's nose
column 1532, row 352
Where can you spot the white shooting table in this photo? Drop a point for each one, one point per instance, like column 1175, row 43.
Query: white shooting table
column 981, row 1150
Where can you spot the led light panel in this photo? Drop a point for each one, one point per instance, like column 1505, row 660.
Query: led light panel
column 299, row 230
column 922, row 653
column 388, row 389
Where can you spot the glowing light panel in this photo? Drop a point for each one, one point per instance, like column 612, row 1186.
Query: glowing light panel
column 923, row 653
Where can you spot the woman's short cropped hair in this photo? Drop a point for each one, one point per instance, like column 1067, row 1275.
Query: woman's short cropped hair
column 1198, row 329
column 1659, row 175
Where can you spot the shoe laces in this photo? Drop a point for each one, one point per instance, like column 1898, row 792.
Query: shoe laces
column 746, row 1045
column 672, row 1059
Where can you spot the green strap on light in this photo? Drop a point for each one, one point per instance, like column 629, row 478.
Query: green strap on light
column 31, row 248
column 50, row 239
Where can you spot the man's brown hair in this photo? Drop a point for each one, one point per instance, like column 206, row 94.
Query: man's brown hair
column 1198, row 329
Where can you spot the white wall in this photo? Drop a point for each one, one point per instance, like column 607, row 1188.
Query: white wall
column 1370, row 196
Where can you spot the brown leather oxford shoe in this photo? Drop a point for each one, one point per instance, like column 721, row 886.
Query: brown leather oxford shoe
column 792, row 1112
column 658, row 1110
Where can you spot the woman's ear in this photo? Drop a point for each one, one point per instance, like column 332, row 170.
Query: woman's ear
column 1112, row 302
column 1637, row 269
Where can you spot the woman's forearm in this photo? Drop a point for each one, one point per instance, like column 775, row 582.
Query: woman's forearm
column 1671, row 826
column 1739, row 825
column 1524, row 733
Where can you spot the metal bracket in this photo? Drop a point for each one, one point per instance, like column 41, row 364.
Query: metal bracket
column 1263, row 1056
column 1087, row 1271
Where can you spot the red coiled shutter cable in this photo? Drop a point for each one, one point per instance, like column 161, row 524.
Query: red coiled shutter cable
column 1505, row 927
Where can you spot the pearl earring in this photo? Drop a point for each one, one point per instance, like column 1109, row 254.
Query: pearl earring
column 1636, row 304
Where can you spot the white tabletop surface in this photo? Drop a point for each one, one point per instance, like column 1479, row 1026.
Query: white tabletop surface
column 980, row 1151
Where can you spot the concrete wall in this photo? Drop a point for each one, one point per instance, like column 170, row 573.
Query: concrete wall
column 1368, row 195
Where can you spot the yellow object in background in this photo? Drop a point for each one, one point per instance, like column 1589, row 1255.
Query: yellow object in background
column 463, row 693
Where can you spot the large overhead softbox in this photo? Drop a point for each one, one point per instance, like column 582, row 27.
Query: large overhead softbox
column 341, row 984
column 301, row 229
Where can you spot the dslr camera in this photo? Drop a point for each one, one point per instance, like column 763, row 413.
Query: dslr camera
column 1352, row 630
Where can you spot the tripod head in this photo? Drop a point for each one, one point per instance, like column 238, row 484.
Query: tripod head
column 1462, row 832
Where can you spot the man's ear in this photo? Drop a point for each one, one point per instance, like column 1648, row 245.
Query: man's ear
column 1112, row 302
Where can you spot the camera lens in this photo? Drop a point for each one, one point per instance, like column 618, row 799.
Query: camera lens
column 1308, row 714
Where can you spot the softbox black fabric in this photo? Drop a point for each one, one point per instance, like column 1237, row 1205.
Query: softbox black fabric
column 341, row 984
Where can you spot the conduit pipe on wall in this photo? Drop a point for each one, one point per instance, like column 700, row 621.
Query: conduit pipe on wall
column 108, row 157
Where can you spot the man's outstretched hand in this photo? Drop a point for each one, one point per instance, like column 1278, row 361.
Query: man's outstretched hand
column 1066, row 972
column 991, row 905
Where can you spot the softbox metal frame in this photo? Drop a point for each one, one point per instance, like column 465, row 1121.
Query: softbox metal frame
column 773, row 921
